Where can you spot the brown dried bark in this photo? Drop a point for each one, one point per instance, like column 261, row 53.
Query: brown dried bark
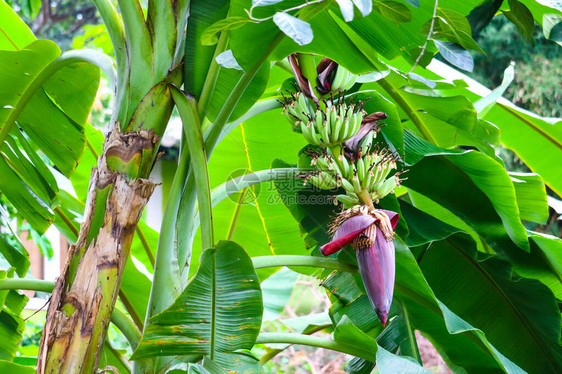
column 83, row 299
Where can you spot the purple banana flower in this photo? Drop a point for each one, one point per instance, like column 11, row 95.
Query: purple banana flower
column 370, row 234
column 325, row 70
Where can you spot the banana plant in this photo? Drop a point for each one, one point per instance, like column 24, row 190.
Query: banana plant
column 318, row 102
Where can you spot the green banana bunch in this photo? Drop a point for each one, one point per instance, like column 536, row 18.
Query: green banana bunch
column 343, row 80
column 324, row 180
column 368, row 173
column 334, row 125
column 299, row 110
column 327, row 125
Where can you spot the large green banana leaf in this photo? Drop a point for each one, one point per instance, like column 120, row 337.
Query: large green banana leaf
column 218, row 314
column 49, row 115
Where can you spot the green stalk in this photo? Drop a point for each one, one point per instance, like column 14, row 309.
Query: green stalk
column 26, row 284
column 162, row 26
column 74, row 228
column 235, row 216
column 313, row 341
column 127, row 327
column 166, row 284
column 184, row 222
column 138, row 77
column 145, row 245
column 118, row 356
column 187, row 107
column 212, row 75
column 131, row 310
column 116, row 32
column 119, row 319
column 410, row 112
column 365, row 198
column 309, row 261
column 274, row 352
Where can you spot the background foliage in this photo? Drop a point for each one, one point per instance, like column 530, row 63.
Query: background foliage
column 471, row 276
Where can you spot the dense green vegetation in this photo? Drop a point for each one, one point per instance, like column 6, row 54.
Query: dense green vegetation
column 435, row 236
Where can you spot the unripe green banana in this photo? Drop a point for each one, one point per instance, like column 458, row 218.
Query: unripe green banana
column 297, row 112
column 333, row 114
column 334, row 125
column 318, row 120
column 339, row 79
column 366, row 183
column 343, row 80
column 355, row 182
column 302, row 103
column 346, row 168
column 380, row 173
column 350, row 81
column 332, row 180
column 336, row 129
column 347, row 124
column 346, row 185
column 329, row 181
column 349, row 111
column 360, row 169
column 305, row 131
column 357, row 118
column 388, row 186
column 313, row 136
column 323, row 163
column 342, row 109
column 366, row 143
column 347, row 201
column 350, row 126
column 374, row 187
column 325, row 133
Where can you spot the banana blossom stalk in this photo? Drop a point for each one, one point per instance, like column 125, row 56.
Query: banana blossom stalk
column 370, row 233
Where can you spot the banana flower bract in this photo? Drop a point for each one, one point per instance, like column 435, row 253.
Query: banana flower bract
column 370, row 233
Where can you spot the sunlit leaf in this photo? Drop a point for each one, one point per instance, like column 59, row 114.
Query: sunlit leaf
column 346, row 8
column 299, row 31
column 257, row 3
column 364, row 6
column 455, row 55
column 227, row 60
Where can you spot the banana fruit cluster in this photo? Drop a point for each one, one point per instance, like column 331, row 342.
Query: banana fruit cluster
column 343, row 80
column 328, row 127
column 370, row 172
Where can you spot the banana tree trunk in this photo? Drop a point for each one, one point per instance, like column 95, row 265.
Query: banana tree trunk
column 85, row 293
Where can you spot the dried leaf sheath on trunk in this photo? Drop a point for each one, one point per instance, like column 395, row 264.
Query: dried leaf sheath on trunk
column 79, row 313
